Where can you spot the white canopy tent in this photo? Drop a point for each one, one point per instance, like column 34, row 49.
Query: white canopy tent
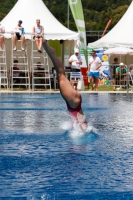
column 120, row 35
column 30, row 10
column 122, row 53
column 119, row 51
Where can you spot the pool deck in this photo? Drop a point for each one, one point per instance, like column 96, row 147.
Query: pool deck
column 57, row 91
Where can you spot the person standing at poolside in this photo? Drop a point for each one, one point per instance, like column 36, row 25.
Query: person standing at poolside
column 70, row 95
column 38, row 32
column 75, row 60
column 93, row 69
column 2, row 30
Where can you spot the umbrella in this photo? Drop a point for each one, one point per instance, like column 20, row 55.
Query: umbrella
column 119, row 51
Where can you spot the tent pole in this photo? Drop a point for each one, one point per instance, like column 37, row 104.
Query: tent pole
column 68, row 15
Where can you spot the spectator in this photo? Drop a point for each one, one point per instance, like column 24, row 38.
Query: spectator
column 93, row 69
column 131, row 70
column 75, row 60
column 121, row 73
column 38, row 32
column 114, row 66
column 16, row 73
column 131, row 74
column 18, row 35
column 2, row 30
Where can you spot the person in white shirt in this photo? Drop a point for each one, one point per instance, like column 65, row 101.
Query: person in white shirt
column 2, row 30
column 38, row 32
column 93, row 69
column 75, row 61
column 18, row 35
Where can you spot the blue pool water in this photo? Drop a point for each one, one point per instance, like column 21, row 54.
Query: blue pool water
column 41, row 158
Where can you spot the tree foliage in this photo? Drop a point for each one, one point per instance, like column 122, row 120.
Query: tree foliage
column 96, row 13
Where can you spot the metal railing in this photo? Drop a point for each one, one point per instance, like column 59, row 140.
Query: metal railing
column 40, row 72
column 3, row 68
column 118, row 77
column 121, row 83
column 19, row 76
column 97, row 34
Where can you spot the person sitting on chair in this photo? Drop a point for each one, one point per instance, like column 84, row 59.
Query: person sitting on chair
column 38, row 32
column 114, row 66
column 121, row 73
column 2, row 30
column 70, row 95
column 18, row 35
column 15, row 72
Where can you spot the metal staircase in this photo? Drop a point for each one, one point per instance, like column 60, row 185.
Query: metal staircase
column 19, row 77
column 3, row 69
column 41, row 77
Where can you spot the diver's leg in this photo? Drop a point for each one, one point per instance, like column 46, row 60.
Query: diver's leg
column 68, row 93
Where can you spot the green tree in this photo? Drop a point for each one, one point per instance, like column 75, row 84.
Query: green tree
column 96, row 12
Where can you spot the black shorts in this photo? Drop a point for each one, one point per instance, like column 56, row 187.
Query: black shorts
column 114, row 76
column 75, row 70
column 36, row 37
column 18, row 36
column 120, row 77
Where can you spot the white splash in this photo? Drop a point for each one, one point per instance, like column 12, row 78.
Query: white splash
column 75, row 130
column 66, row 126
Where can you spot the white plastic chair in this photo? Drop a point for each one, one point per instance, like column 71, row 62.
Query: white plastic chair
column 55, row 79
column 77, row 77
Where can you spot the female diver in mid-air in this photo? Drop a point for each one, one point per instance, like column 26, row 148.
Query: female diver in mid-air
column 70, row 95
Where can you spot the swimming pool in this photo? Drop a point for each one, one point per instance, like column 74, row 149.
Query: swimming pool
column 41, row 159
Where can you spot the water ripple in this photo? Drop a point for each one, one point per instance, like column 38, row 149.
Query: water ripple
column 41, row 160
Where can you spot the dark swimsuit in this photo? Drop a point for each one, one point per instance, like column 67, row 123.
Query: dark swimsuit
column 73, row 111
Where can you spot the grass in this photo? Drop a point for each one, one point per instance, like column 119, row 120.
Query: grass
column 104, row 88
column 100, row 88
